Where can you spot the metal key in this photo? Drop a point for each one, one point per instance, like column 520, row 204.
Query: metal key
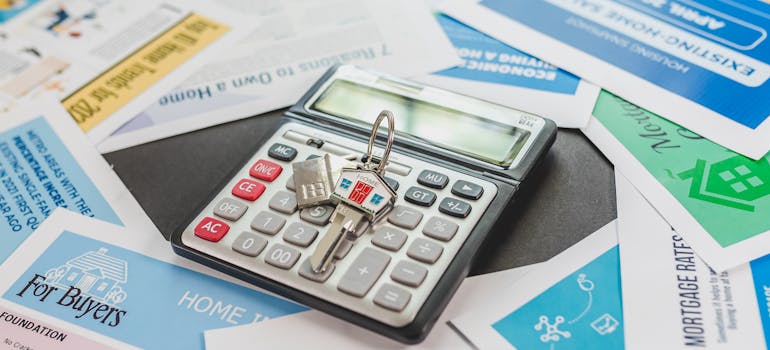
column 364, row 199
column 313, row 179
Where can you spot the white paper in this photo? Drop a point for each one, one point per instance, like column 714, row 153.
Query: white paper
column 669, row 292
column 320, row 328
column 63, row 47
column 572, row 301
column 620, row 37
column 293, row 47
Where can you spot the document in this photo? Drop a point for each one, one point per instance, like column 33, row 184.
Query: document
column 719, row 201
column 672, row 299
column 320, row 328
column 572, row 301
column 117, row 287
column 46, row 162
column 702, row 64
column 496, row 72
column 108, row 60
column 295, row 44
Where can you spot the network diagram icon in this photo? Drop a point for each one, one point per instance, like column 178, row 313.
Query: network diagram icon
column 552, row 331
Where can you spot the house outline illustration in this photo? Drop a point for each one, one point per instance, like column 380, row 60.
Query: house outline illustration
column 95, row 274
column 733, row 182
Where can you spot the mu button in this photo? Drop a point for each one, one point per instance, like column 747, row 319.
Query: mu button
column 211, row 229
column 265, row 170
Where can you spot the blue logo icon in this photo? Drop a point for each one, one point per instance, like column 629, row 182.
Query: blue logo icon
column 346, row 184
column 376, row 199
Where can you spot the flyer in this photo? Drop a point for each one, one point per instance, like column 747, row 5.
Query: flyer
column 702, row 64
column 572, row 301
column 318, row 327
column 295, row 44
column 46, row 162
column 101, row 281
column 496, row 72
column 108, row 60
column 670, row 292
column 718, row 200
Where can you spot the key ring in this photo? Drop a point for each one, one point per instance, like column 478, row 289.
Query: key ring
column 391, row 135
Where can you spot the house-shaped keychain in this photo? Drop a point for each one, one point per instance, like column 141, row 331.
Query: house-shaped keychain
column 365, row 190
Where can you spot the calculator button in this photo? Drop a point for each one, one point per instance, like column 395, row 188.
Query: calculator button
column 300, row 234
column 282, row 152
column 408, row 273
column 290, row 184
column 392, row 183
column 467, row 189
column 312, row 156
column 230, row 209
column 440, row 229
column 364, row 271
column 249, row 244
column 389, row 238
column 392, row 297
column 265, row 170
column 454, row 207
column 405, row 217
column 211, row 229
column 283, row 202
column 318, row 215
column 432, row 179
column 248, row 189
column 282, row 256
column 344, row 249
column 424, row 250
column 305, row 270
column 420, row 196
column 268, row 223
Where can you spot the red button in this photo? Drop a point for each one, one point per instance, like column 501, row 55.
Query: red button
column 249, row 190
column 211, row 229
column 265, row 170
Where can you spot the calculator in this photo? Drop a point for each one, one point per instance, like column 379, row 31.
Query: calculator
column 455, row 165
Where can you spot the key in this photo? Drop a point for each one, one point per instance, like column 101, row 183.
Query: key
column 313, row 181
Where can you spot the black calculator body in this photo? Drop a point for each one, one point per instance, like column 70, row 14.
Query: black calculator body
column 456, row 164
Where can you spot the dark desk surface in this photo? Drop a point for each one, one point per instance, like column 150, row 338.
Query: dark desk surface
column 571, row 195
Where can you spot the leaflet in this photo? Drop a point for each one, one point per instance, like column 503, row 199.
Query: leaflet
column 704, row 65
column 670, row 292
column 46, row 162
column 108, row 60
column 320, row 328
column 572, row 301
column 719, row 201
column 496, row 72
column 295, row 44
column 117, row 288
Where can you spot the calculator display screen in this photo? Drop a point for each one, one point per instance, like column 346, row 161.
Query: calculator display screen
column 472, row 135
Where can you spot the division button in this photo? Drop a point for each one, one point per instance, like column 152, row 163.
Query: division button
column 300, row 234
column 392, row 298
column 409, row 273
column 364, row 272
column 420, row 196
column 249, row 244
column 230, row 209
column 440, row 229
column 389, row 238
column 283, row 202
column 282, row 256
column 211, row 229
column 432, row 179
column 424, row 250
column 248, row 189
column 318, row 215
column 454, row 207
column 265, row 170
column 405, row 217
column 282, row 152
column 467, row 189
column 267, row 223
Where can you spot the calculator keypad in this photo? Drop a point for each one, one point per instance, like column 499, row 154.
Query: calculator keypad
column 388, row 273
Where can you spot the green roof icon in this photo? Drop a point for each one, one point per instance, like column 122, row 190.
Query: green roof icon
column 734, row 182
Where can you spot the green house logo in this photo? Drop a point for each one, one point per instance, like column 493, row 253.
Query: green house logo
column 734, row 182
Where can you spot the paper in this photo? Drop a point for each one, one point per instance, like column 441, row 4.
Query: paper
column 717, row 200
column 297, row 42
column 108, row 60
column 318, row 327
column 669, row 292
column 493, row 71
column 569, row 302
column 702, row 64
column 46, row 162
column 117, row 287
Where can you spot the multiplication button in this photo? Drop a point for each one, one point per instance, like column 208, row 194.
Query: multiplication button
column 389, row 238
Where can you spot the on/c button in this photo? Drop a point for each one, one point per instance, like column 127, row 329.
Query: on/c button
column 211, row 229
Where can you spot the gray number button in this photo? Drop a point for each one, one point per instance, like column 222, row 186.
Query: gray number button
column 305, row 270
column 318, row 215
column 409, row 273
column 282, row 256
column 405, row 217
column 284, row 202
column 365, row 270
column 389, row 238
column 344, row 249
column 249, row 244
column 392, row 297
column 424, row 250
column 440, row 229
column 300, row 234
column 267, row 223
column 290, row 184
column 230, row 209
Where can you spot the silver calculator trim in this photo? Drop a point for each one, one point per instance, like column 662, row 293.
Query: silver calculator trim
column 408, row 170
